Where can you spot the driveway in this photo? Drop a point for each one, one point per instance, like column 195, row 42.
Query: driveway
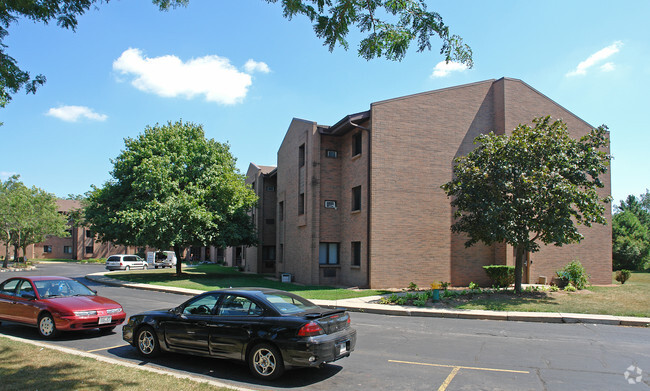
column 407, row 353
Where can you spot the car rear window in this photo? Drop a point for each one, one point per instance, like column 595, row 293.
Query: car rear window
column 289, row 304
column 113, row 259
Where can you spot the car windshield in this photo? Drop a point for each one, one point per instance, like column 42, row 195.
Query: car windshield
column 289, row 304
column 61, row 288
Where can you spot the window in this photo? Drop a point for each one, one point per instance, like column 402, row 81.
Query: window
column 281, row 210
column 356, row 144
column 25, row 288
column 356, row 254
column 270, row 188
column 301, row 155
column 328, row 254
column 270, row 221
column 331, row 153
column 89, row 233
column 47, row 249
column 329, row 204
column 301, row 204
column 89, row 249
column 67, row 249
column 203, row 305
column 9, row 287
column 239, row 306
column 268, row 253
column 253, row 186
column 356, row 198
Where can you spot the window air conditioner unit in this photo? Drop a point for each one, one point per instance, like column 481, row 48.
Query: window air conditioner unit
column 330, row 204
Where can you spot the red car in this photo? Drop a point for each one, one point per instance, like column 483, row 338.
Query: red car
column 55, row 304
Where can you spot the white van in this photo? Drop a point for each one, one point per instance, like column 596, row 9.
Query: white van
column 158, row 259
column 125, row 262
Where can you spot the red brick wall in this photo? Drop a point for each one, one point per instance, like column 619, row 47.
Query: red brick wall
column 522, row 104
column 414, row 142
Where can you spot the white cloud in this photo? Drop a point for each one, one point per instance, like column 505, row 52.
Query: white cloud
column 443, row 68
column 607, row 67
column 213, row 77
column 73, row 113
column 252, row 66
column 596, row 58
column 4, row 175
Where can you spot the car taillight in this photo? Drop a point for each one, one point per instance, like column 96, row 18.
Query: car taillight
column 349, row 321
column 310, row 329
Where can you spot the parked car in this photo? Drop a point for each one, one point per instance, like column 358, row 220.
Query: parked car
column 270, row 330
column 54, row 304
column 125, row 262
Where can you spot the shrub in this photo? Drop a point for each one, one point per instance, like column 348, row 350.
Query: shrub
column 501, row 275
column 419, row 303
column 474, row 286
column 623, row 275
column 413, row 286
column 444, row 285
column 575, row 274
column 570, row 288
column 554, row 288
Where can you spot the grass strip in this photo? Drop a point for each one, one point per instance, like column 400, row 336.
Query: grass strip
column 29, row 367
column 211, row 277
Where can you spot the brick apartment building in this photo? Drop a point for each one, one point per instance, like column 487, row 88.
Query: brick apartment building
column 81, row 243
column 359, row 203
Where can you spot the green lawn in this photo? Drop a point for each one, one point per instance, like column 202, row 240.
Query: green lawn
column 99, row 260
column 630, row 299
column 210, row 277
column 28, row 367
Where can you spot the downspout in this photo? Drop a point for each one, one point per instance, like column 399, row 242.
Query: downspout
column 368, row 197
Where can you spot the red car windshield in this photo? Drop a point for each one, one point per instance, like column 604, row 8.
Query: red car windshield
column 61, row 288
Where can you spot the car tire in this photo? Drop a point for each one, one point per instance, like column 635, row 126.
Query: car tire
column 46, row 326
column 127, row 268
column 144, row 267
column 265, row 362
column 147, row 342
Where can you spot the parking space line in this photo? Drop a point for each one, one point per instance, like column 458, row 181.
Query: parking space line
column 457, row 366
column 454, row 371
column 112, row 347
column 449, row 378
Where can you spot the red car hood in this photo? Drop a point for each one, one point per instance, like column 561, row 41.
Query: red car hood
column 81, row 303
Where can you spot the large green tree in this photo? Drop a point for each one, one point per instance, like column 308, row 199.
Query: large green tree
column 389, row 27
column 534, row 186
column 172, row 187
column 631, row 233
column 27, row 216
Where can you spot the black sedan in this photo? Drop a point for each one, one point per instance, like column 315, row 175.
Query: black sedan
column 269, row 329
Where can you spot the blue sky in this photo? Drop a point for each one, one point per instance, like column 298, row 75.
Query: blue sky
column 243, row 71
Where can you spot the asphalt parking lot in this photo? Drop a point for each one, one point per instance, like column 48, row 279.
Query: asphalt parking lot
column 404, row 353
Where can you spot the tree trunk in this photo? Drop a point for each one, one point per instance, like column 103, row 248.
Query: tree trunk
column 179, row 261
column 5, row 262
column 519, row 267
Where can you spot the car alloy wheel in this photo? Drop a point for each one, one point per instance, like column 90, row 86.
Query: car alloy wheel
column 265, row 362
column 46, row 326
column 148, row 342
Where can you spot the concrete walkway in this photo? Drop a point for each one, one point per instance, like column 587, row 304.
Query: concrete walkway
column 365, row 304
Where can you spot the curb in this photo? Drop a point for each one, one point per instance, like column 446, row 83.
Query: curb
column 364, row 304
column 125, row 363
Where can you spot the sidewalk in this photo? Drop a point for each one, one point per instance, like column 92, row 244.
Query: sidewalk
column 365, row 304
